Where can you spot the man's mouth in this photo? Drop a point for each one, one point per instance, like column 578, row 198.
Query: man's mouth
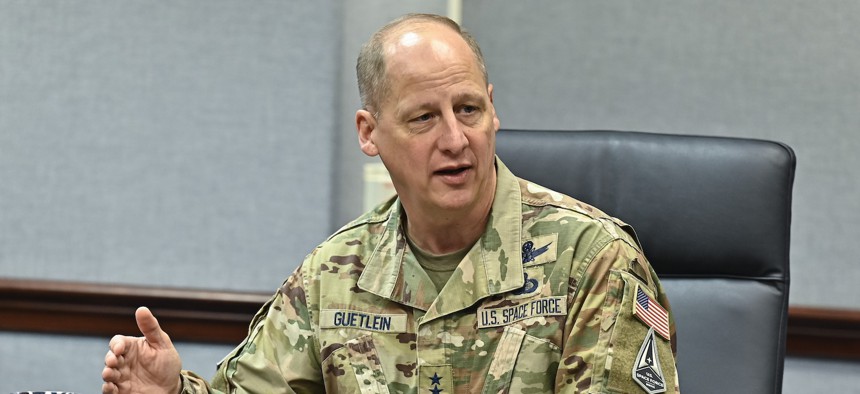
column 452, row 171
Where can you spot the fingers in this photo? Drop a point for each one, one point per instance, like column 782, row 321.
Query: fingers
column 119, row 344
column 148, row 325
column 112, row 360
column 110, row 375
column 109, row 388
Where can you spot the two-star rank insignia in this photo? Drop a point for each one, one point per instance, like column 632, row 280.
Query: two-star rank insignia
column 647, row 372
column 435, row 380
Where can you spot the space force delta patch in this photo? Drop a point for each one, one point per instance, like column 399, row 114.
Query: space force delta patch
column 647, row 372
column 343, row 318
column 502, row 316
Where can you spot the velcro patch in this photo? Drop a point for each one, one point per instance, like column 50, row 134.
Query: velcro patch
column 651, row 312
column 435, row 379
column 338, row 318
column 647, row 372
column 502, row 316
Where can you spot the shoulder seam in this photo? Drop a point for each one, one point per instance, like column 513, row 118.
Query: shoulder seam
column 561, row 205
column 362, row 221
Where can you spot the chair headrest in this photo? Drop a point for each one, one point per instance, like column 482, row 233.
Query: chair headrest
column 723, row 203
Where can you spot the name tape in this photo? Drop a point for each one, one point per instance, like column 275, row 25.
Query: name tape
column 335, row 318
column 548, row 306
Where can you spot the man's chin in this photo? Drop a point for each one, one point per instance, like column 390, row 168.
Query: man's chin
column 456, row 201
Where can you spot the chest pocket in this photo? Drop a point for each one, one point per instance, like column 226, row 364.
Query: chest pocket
column 522, row 364
column 355, row 368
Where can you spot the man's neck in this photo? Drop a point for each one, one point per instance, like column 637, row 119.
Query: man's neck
column 441, row 236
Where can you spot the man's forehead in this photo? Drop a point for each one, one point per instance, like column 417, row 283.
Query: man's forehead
column 409, row 39
column 413, row 35
column 434, row 65
column 419, row 53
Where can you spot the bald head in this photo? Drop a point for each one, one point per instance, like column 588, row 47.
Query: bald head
column 373, row 83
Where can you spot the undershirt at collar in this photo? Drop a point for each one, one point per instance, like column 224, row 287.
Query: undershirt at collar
column 438, row 267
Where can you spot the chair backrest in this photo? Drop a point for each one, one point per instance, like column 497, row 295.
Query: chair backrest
column 713, row 215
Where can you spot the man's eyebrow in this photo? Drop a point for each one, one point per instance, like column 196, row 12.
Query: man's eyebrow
column 469, row 96
column 409, row 109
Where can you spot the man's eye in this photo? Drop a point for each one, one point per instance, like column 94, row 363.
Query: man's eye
column 423, row 118
column 468, row 109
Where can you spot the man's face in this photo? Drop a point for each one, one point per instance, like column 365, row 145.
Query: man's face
column 436, row 129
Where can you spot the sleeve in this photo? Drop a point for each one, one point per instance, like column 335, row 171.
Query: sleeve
column 279, row 355
column 612, row 344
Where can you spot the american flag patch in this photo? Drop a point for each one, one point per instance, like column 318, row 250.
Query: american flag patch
column 651, row 313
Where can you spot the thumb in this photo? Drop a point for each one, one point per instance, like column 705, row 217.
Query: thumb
column 148, row 325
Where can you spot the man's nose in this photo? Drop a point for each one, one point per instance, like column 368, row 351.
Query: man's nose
column 453, row 138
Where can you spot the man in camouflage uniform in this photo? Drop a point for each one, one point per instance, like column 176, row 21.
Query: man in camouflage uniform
column 472, row 280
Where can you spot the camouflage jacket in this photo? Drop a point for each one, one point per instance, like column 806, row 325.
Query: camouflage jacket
column 544, row 302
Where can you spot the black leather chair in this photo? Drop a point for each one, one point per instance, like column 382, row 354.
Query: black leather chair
column 713, row 215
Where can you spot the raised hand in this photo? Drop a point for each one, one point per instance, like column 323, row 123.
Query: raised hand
column 147, row 364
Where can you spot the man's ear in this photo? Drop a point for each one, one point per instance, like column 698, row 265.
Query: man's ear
column 496, row 123
column 365, row 124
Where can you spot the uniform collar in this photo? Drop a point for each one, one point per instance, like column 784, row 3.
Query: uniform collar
column 492, row 266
